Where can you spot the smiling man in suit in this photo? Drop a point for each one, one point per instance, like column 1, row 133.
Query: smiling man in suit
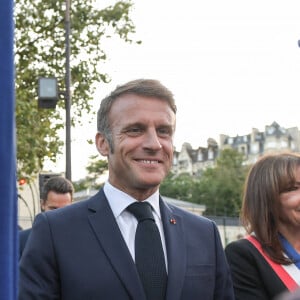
column 96, row 249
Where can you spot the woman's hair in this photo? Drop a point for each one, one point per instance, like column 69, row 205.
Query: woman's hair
column 141, row 87
column 270, row 176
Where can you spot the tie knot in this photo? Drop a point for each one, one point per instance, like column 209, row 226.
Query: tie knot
column 141, row 210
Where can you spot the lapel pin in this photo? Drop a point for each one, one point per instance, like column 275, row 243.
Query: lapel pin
column 173, row 221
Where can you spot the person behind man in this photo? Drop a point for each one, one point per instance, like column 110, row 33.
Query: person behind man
column 57, row 192
column 91, row 249
column 266, row 263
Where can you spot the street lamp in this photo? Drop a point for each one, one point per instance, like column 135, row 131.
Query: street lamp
column 48, row 95
column 48, row 92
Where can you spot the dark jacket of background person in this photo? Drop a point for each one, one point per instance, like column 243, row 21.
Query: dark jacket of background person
column 23, row 237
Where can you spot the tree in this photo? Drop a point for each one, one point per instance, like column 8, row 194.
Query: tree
column 180, row 187
column 95, row 168
column 40, row 51
column 220, row 187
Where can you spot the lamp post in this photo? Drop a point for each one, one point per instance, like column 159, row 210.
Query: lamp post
column 68, row 99
column 48, row 93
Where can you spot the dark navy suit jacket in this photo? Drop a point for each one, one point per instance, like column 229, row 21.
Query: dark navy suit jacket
column 23, row 237
column 78, row 253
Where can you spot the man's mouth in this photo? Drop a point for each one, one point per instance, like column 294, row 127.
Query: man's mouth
column 146, row 161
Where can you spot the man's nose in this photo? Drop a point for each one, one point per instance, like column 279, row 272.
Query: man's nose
column 152, row 141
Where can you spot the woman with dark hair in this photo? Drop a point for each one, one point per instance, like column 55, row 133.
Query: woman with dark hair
column 266, row 262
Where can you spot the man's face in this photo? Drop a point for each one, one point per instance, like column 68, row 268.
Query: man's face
column 142, row 132
column 55, row 200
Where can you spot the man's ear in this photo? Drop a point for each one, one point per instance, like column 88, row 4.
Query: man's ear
column 102, row 144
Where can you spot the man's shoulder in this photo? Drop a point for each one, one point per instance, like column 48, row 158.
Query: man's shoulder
column 78, row 208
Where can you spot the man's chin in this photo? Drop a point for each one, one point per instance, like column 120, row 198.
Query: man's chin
column 146, row 185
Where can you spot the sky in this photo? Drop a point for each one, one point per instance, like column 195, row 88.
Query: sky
column 232, row 65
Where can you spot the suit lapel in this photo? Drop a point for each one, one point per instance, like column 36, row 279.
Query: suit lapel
column 176, row 253
column 109, row 236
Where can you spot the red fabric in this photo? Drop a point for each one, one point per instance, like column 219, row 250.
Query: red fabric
column 278, row 269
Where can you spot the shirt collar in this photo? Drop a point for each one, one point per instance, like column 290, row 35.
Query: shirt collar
column 119, row 200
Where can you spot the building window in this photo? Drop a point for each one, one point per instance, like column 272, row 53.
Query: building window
column 271, row 130
column 210, row 154
column 293, row 146
column 200, row 156
column 254, row 148
column 183, row 164
column 270, row 145
column 283, row 144
column 174, row 160
column 242, row 150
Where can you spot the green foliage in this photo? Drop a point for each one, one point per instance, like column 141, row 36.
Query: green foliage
column 179, row 187
column 40, row 52
column 96, row 167
column 219, row 187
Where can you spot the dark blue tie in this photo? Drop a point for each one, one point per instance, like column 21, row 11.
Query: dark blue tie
column 149, row 255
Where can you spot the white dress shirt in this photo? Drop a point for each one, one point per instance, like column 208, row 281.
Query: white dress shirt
column 127, row 222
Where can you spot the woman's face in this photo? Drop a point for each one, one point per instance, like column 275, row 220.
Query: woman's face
column 289, row 213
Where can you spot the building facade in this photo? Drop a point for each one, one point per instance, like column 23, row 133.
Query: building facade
column 253, row 145
column 194, row 161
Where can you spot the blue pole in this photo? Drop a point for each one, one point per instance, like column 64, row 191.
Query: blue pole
column 8, row 191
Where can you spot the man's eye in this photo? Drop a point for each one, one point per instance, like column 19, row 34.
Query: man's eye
column 134, row 131
column 164, row 131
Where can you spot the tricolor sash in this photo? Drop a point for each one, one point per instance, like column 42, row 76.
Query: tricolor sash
column 289, row 274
